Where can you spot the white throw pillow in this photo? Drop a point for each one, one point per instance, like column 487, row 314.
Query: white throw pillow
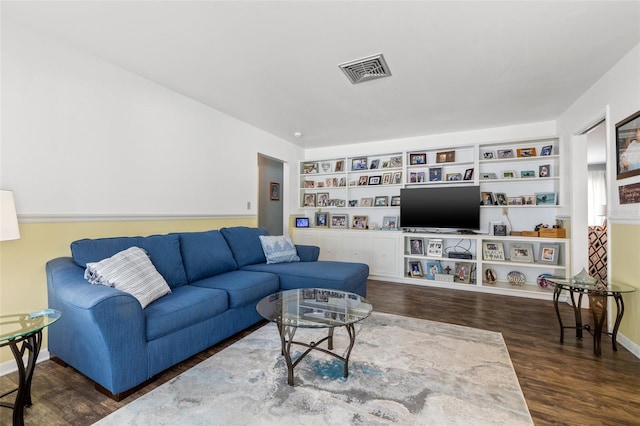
column 279, row 249
column 130, row 271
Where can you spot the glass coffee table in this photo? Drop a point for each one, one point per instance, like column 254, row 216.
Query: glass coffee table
column 314, row 308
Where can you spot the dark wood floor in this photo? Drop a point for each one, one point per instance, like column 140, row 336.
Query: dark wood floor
column 563, row 384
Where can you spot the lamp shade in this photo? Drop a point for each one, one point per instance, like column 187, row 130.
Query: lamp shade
column 8, row 217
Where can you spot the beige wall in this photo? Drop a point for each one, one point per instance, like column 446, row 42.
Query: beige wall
column 625, row 258
column 23, row 284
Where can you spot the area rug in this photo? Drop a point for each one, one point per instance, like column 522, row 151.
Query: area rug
column 402, row 371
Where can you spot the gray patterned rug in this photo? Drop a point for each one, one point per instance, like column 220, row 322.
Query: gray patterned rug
column 402, row 371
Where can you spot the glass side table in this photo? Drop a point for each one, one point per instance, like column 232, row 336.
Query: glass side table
column 598, row 301
column 23, row 333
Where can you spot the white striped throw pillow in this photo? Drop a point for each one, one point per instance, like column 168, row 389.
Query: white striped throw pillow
column 130, row 271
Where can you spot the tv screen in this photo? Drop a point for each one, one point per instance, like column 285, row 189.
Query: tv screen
column 442, row 207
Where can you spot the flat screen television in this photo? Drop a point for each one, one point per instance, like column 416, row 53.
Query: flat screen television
column 447, row 208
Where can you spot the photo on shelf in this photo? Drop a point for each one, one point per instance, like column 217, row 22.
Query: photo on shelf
column 385, row 164
column 468, row 174
column 490, row 276
column 326, row 167
column 339, row 165
column 386, row 178
column 451, row 177
column 322, row 220
column 492, row 250
column 526, row 152
column 339, row 221
column 309, row 200
column 331, row 182
column 362, row 180
column 322, row 199
column 521, row 252
column 390, row 222
column 433, row 268
column 514, row 201
column 546, row 150
column 366, row 202
column 545, row 198
column 509, row 174
column 353, row 203
column 435, row 247
column 492, row 223
column 417, row 159
column 413, row 177
column 487, row 155
column 488, row 199
column 395, row 161
column 397, row 178
column 549, row 253
column 374, row 164
column 505, row 153
column 415, row 269
column 395, row 200
column 381, row 201
column 462, row 272
column 343, row 182
column 359, row 163
column 544, row 170
column 501, row 198
column 528, row 173
column 309, row 168
column 446, row 157
column 420, row 178
column 416, row 246
column 359, row 222
column 500, row 230
column 529, row 200
column 488, row 176
column 375, row 180
column 435, row 174
column 309, row 184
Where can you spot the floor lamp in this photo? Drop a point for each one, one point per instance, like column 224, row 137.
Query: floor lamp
column 9, row 229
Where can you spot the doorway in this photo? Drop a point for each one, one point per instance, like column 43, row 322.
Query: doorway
column 597, row 200
column 270, row 194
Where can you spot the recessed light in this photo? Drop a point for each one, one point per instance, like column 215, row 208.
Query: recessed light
column 298, row 134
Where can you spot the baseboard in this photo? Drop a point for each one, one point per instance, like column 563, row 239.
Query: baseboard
column 629, row 345
column 10, row 366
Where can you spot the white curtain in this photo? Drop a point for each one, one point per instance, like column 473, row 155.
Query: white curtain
column 597, row 197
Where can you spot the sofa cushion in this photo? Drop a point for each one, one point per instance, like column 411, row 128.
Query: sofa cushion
column 243, row 287
column 130, row 271
column 163, row 250
column 245, row 244
column 279, row 249
column 205, row 254
column 185, row 306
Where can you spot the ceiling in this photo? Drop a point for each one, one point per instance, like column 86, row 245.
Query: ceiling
column 455, row 65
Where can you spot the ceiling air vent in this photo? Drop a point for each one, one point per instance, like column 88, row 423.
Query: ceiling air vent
column 366, row 69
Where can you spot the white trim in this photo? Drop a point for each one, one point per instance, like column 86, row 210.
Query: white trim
column 629, row 345
column 618, row 220
column 11, row 366
column 38, row 218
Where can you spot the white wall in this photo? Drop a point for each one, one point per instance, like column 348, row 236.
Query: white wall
column 83, row 137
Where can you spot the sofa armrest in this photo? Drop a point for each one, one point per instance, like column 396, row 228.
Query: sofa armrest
column 308, row 253
column 101, row 331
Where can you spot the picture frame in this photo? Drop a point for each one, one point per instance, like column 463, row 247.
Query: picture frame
column 488, row 176
column 309, row 184
column 386, row 178
column 413, row 177
column 302, row 222
column 274, row 191
column 501, row 198
column 487, row 155
column 415, row 269
column 309, row 200
column 505, row 153
column 363, row 180
column 375, row 180
column 500, row 230
column 339, row 166
column 395, row 161
column 546, row 198
column 526, row 152
column 359, row 222
column 322, row 199
column 549, row 253
column 462, row 272
column 339, row 221
column 395, row 200
column 435, row 174
column 514, row 201
column 331, row 182
column 435, row 247
column 490, row 276
column 374, row 164
column 390, row 222
column 546, row 150
column 454, row 177
column 416, row 246
column 468, row 174
column 326, row 167
column 322, row 220
column 433, row 268
column 521, row 252
column 397, row 178
column 366, row 202
column 487, row 198
column 509, row 174
column 446, row 157
column 544, row 171
column 528, row 173
column 381, row 201
column 493, row 250
column 628, row 146
column 353, row 203
column 528, row 200
column 359, row 163
column 417, row 159
column 309, row 168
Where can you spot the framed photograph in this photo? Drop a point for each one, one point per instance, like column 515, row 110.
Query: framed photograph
column 331, row 182
column 628, row 146
column 395, row 161
column 528, row 200
column 501, row 198
column 326, row 167
column 397, row 178
column 488, row 199
column 500, row 230
column 462, row 272
column 433, row 268
column 415, row 269
column 309, row 200
column 343, row 182
column 546, row 150
column 487, row 155
column 549, row 253
column 359, row 222
column 353, row 203
column 546, row 199
column 302, row 222
column 509, row 174
column 505, row 153
column 544, row 171
column 322, row 199
column 363, row 180
column 435, row 247
column 529, row 173
column 417, row 159
column 452, row 177
column 366, row 202
column 386, row 178
column 492, row 250
column 339, row 221
column 309, row 168
column 375, row 180
column 420, row 177
column 521, row 253
column 390, row 222
column 488, row 176
column 395, row 200
column 381, row 201
column 309, row 184
column 526, row 152
column 339, row 166
column 446, row 157
column 359, row 163
column 322, row 220
column 514, row 201
column 274, row 191
column 374, row 164
column 468, row 174
column 490, row 276
column 416, row 246
column 435, row 174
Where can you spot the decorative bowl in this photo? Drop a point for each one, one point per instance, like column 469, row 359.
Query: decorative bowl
column 515, row 278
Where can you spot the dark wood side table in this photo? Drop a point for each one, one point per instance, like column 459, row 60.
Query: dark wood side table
column 598, row 296
column 23, row 333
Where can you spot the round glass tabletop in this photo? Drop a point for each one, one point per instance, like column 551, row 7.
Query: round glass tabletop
column 18, row 325
column 314, row 308
column 613, row 288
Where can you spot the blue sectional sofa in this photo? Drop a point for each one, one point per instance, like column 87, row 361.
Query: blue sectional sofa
column 216, row 279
